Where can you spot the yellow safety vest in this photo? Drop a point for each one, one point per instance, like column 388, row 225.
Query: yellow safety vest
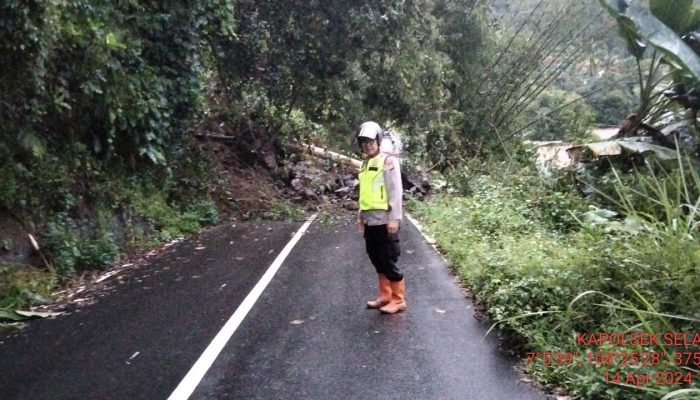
column 373, row 194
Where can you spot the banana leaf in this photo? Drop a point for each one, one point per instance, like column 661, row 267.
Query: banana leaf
column 637, row 22
column 622, row 146
column 19, row 315
column 676, row 14
column 626, row 27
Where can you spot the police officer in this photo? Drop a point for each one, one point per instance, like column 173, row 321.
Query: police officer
column 379, row 217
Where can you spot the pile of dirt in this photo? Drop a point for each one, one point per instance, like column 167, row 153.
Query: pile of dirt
column 259, row 175
column 254, row 181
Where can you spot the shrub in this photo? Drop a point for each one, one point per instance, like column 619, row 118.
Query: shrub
column 22, row 286
column 542, row 284
column 71, row 250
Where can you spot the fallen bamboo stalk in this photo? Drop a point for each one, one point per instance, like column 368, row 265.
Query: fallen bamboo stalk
column 321, row 152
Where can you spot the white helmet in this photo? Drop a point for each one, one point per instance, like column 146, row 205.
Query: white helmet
column 372, row 130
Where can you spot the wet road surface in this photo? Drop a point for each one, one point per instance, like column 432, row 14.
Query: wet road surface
column 307, row 336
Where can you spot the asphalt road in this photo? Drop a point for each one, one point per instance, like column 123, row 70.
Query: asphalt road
column 308, row 335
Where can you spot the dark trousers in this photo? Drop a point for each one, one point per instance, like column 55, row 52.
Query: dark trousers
column 383, row 250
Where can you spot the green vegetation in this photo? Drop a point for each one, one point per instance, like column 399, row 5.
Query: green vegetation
column 21, row 287
column 100, row 102
column 105, row 109
column 547, row 265
column 96, row 104
column 608, row 246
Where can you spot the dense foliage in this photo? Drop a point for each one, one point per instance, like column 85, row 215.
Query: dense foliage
column 101, row 104
column 605, row 247
column 547, row 265
column 95, row 105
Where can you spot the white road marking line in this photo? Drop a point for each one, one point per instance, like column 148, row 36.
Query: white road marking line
column 419, row 226
column 188, row 384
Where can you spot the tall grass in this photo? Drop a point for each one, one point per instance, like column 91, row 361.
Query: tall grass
column 544, row 282
column 666, row 201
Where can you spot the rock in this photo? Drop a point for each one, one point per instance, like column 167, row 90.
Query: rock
column 297, row 184
column 310, row 194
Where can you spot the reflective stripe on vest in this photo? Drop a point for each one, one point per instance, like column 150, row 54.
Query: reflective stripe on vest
column 372, row 187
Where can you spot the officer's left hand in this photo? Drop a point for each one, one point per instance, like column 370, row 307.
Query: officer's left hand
column 359, row 225
column 392, row 226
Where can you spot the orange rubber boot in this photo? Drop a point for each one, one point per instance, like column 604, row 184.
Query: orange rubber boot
column 398, row 302
column 384, row 296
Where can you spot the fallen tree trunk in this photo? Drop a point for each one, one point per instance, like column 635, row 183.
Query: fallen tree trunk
column 419, row 184
column 214, row 136
column 321, row 152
